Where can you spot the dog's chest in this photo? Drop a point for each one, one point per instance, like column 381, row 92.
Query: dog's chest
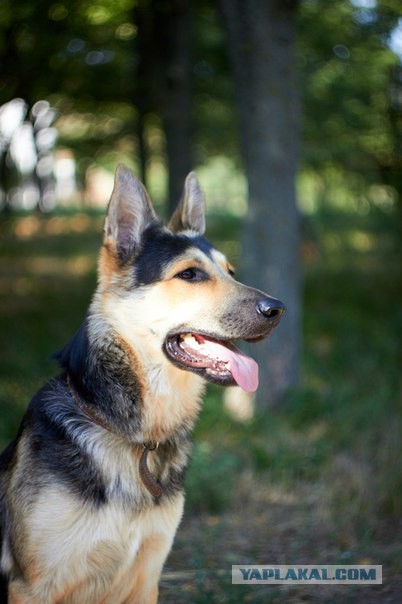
column 67, row 531
column 78, row 545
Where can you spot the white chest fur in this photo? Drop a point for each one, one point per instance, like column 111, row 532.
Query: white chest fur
column 83, row 553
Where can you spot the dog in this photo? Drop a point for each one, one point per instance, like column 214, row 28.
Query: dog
column 91, row 490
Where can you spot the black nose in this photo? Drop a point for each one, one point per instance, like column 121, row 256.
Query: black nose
column 271, row 308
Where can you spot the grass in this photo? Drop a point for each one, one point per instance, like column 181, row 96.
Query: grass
column 318, row 480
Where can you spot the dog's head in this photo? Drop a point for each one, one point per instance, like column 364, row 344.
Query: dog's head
column 171, row 295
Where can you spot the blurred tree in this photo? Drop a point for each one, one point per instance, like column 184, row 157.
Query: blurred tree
column 213, row 87
column 82, row 56
column 164, row 82
column 262, row 45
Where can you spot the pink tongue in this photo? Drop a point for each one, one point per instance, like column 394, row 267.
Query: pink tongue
column 243, row 368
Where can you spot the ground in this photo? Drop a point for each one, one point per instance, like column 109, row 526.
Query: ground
column 265, row 526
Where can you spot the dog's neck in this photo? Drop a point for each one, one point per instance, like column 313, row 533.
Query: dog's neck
column 104, row 374
column 149, row 481
column 103, row 379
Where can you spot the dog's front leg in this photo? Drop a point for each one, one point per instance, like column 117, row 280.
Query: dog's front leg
column 153, row 551
column 147, row 570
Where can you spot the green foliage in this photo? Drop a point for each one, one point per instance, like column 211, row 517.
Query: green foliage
column 346, row 70
column 86, row 55
column 88, row 69
column 350, row 81
column 211, row 478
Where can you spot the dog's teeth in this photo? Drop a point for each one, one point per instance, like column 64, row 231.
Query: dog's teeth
column 189, row 340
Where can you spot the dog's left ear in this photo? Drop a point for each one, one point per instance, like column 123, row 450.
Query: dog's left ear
column 190, row 213
column 129, row 212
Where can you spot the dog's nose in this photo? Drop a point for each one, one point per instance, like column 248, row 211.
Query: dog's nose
column 271, row 308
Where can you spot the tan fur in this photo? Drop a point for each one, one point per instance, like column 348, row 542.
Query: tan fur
column 107, row 264
column 121, row 556
column 142, row 319
column 121, row 553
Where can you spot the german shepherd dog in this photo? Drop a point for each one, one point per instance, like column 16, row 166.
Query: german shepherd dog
column 91, row 490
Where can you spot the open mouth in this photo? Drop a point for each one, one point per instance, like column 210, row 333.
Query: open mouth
column 218, row 361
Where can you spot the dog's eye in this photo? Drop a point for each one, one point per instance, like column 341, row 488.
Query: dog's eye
column 192, row 274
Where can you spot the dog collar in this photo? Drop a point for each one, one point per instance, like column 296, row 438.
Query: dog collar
column 149, row 481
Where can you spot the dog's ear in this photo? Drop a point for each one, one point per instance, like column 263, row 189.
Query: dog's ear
column 190, row 213
column 129, row 212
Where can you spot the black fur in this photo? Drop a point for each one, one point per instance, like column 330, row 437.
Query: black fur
column 159, row 249
column 6, row 459
column 54, row 425
column 102, row 376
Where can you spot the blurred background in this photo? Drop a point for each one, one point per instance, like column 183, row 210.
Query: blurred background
column 291, row 113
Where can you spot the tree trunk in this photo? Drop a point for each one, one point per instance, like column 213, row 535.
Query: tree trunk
column 144, row 81
column 164, row 84
column 174, row 34
column 261, row 37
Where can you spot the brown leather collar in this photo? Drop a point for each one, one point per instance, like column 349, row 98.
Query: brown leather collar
column 147, row 478
column 149, row 481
